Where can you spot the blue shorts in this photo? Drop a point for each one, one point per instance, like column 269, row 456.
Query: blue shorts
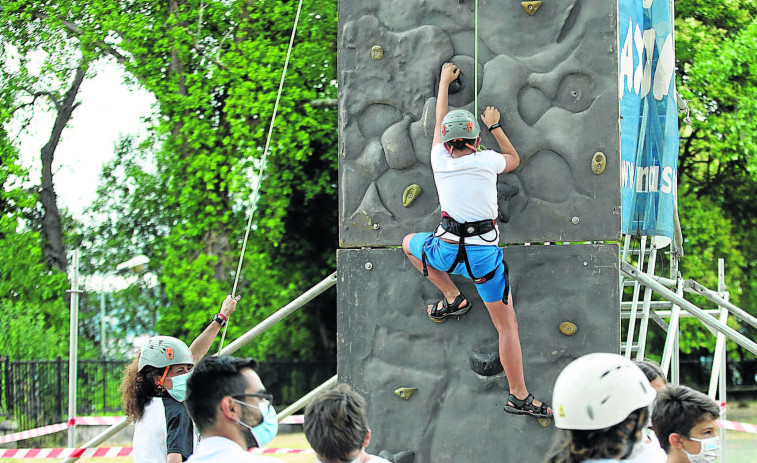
column 482, row 259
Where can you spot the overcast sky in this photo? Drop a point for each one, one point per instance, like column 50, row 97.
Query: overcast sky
column 109, row 108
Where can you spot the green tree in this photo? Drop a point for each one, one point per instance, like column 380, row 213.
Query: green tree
column 214, row 69
column 33, row 317
column 716, row 53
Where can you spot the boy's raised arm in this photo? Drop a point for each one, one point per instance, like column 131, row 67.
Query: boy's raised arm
column 449, row 74
column 490, row 118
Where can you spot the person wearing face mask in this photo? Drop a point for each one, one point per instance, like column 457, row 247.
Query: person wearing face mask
column 600, row 405
column 153, row 389
column 337, row 429
column 232, row 411
column 649, row 449
column 685, row 422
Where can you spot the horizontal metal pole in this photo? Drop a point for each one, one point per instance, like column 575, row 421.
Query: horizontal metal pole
column 708, row 320
column 697, row 288
column 625, row 315
column 653, row 305
column 100, row 438
column 306, row 399
column 277, row 316
column 669, row 282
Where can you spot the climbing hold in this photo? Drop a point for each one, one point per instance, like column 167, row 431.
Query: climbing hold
column 544, row 422
column 376, row 226
column 598, row 162
column 456, row 85
column 484, row 360
column 568, row 328
column 411, row 194
column 405, row 392
column 368, row 265
column 377, row 52
column 575, row 220
column 531, row 7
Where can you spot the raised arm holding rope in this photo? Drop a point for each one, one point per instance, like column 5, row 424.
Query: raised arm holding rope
column 465, row 243
column 154, row 386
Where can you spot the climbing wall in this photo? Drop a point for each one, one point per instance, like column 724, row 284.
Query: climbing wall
column 553, row 76
column 386, row 343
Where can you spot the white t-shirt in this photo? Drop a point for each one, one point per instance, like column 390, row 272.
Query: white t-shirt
column 467, row 188
column 165, row 428
column 650, row 450
column 222, row 450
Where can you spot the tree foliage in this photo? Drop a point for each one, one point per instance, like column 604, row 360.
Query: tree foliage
column 716, row 53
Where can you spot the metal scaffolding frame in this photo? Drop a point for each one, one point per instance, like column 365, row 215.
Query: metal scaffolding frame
column 673, row 308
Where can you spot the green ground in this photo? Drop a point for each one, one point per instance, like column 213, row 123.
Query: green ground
column 741, row 447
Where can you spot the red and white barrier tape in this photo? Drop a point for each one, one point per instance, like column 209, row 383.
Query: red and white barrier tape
column 113, row 452
column 33, row 433
column 45, row 430
column 98, row 420
column 736, row 426
column 94, row 421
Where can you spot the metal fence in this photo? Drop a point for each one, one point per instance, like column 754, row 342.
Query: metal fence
column 34, row 393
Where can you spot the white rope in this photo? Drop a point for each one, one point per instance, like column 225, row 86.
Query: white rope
column 475, row 61
column 262, row 165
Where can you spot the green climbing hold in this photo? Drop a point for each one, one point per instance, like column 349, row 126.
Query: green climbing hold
column 411, row 193
column 405, row 392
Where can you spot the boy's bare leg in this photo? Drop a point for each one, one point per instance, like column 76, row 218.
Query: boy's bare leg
column 510, row 354
column 439, row 278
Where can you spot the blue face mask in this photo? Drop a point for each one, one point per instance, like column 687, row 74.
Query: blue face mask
column 264, row 432
column 179, row 389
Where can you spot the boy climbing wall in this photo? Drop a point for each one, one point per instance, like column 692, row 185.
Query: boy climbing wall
column 465, row 242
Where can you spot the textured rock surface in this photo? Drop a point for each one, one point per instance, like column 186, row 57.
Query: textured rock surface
column 553, row 76
column 385, row 341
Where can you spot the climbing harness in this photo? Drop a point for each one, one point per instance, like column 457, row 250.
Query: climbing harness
column 467, row 230
column 256, row 192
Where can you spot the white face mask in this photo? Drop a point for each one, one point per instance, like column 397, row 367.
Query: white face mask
column 708, row 450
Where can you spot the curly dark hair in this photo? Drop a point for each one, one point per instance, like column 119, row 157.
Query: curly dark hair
column 574, row 446
column 138, row 388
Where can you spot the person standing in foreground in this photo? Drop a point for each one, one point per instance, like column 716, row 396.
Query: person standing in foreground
column 649, row 449
column 153, row 389
column 232, row 411
column 601, row 405
column 685, row 422
column 337, row 429
column 466, row 241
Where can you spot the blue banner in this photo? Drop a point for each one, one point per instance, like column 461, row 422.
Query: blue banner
column 648, row 117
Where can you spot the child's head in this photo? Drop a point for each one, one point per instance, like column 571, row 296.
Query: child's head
column 601, row 405
column 336, row 425
column 654, row 374
column 684, row 421
column 460, row 130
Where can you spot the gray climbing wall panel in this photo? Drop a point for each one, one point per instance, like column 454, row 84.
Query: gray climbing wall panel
column 553, row 75
column 386, row 342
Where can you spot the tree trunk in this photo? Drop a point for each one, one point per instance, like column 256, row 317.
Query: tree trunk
column 52, row 232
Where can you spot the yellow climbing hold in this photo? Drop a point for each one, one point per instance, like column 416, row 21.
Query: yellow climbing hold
column 405, row 392
column 568, row 328
column 544, row 422
column 598, row 162
column 411, row 193
column 531, row 7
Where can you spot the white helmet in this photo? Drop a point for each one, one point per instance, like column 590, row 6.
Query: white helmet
column 598, row 391
column 162, row 351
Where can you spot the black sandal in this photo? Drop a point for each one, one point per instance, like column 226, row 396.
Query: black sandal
column 439, row 315
column 527, row 407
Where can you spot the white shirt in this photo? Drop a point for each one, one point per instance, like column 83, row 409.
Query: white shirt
column 222, row 450
column 649, row 451
column 467, row 188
